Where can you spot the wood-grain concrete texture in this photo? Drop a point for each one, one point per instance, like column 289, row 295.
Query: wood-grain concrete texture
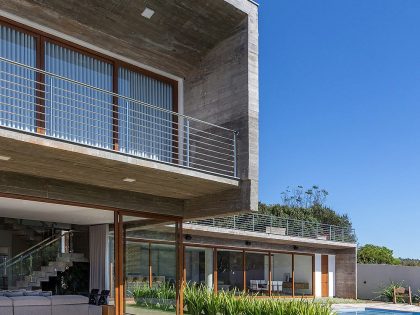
column 210, row 45
column 346, row 273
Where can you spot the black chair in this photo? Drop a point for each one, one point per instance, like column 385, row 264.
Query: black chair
column 103, row 298
column 93, row 297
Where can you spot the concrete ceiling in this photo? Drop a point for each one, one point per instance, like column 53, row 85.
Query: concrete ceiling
column 41, row 211
column 177, row 36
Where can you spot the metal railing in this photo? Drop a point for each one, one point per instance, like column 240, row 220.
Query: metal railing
column 27, row 262
column 273, row 225
column 50, row 105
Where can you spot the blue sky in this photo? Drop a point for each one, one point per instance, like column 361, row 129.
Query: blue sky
column 340, row 108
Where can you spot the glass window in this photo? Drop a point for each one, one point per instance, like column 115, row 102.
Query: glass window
column 282, row 270
column 199, row 266
column 257, row 273
column 303, row 275
column 230, row 270
column 73, row 111
column 18, row 93
column 163, row 264
column 146, row 125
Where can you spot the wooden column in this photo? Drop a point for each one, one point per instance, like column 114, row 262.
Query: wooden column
column 180, row 269
column 119, row 259
column 150, row 266
column 215, row 270
column 40, row 87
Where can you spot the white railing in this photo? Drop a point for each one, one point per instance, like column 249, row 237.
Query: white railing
column 273, row 225
column 40, row 102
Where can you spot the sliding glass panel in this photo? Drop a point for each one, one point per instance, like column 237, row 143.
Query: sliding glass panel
column 230, row 271
column 142, row 295
column 76, row 112
column 257, row 273
column 303, row 275
column 136, row 265
column 282, row 269
column 17, row 96
column 199, row 266
column 145, row 124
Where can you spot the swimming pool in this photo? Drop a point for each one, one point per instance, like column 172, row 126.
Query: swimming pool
column 368, row 311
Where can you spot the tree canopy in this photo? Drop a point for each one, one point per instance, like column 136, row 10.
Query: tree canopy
column 372, row 254
column 307, row 205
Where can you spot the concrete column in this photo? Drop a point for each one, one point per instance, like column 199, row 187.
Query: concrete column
column 266, row 267
column 195, row 266
column 331, row 275
column 208, row 267
column 318, row 276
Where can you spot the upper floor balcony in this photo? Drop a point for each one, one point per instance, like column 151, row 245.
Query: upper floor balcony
column 136, row 122
column 163, row 104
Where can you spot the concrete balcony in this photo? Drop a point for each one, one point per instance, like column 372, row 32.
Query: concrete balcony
column 201, row 153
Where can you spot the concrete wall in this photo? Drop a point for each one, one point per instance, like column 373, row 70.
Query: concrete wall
column 371, row 278
column 346, row 273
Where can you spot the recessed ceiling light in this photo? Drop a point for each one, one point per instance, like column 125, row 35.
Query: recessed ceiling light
column 147, row 13
column 129, row 180
column 4, row 158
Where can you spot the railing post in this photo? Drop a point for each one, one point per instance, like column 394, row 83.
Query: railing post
column 235, row 164
column 330, row 236
column 253, row 223
column 287, row 226
column 187, row 140
column 234, row 222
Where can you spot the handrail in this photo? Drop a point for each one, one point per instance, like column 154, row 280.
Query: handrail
column 58, row 107
column 275, row 225
column 114, row 94
column 34, row 249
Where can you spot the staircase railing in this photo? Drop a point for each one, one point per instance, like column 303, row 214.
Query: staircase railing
column 22, row 266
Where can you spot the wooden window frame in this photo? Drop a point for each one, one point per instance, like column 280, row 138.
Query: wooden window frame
column 41, row 37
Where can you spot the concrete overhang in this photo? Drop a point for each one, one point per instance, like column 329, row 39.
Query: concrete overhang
column 223, row 233
column 175, row 39
column 44, row 157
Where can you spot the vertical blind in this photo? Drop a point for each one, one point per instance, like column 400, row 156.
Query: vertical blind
column 75, row 112
column 17, row 96
column 145, row 130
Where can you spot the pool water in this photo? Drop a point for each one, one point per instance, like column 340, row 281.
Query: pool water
column 375, row 312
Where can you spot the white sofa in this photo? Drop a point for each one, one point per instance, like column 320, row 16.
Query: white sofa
column 6, row 306
column 50, row 305
column 33, row 305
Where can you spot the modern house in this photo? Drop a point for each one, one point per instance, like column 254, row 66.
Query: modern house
column 121, row 121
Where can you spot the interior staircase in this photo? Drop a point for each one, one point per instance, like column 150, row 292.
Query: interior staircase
column 60, row 264
column 38, row 264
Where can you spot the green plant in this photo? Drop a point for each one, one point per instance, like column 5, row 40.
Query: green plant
column 387, row 293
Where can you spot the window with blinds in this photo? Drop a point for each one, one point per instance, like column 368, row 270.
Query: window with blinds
column 18, row 93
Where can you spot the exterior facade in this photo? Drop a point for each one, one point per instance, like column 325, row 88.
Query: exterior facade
column 121, row 125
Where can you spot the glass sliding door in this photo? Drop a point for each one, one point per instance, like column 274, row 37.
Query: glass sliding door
column 282, row 274
column 257, row 273
column 199, row 266
column 150, row 268
column 18, row 101
column 230, row 270
column 303, row 275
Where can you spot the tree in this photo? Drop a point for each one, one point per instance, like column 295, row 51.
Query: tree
column 308, row 205
column 372, row 254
